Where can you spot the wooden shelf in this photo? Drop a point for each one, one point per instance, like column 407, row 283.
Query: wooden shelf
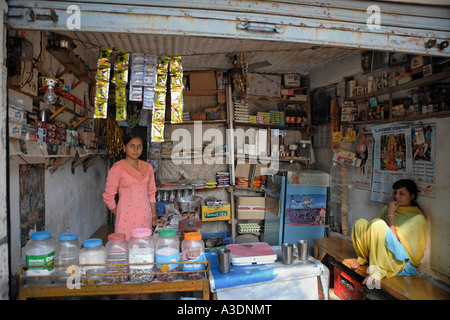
column 440, row 114
column 73, row 65
column 272, row 126
column 202, row 92
column 413, row 83
column 192, row 122
column 265, row 158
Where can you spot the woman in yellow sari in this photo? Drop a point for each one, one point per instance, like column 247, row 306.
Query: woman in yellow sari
column 394, row 243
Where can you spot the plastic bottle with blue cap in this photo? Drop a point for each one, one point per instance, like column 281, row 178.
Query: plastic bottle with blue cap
column 67, row 253
column 93, row 253
column 40, row 251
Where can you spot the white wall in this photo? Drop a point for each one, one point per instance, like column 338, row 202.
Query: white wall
column 436, row 261
column 73, row 202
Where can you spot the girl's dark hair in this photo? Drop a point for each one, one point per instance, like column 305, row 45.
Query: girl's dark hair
column 410, row 186
column 127, row 138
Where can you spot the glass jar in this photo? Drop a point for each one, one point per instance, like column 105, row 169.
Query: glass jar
column 116, row 253
column 193, row 249
column 167, row 250
column 67, row 253
column 141, row 249
column 93, row 253
column 40, row 251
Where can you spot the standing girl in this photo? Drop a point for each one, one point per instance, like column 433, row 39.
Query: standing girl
column 134, row 180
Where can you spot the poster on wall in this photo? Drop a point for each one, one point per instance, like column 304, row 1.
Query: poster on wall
column 362, row 177
column 392, row 158
column 305, row 209
column 423, row 137
column 32, row 200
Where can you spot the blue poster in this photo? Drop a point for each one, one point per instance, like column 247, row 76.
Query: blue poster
column 305, row 209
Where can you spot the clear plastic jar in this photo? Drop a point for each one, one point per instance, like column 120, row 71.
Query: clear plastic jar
column 67, row 253
column 40, row 251
column 116, row 253
column 167, row 250
column 93, row 253
column 141, row 249
column 193, row 249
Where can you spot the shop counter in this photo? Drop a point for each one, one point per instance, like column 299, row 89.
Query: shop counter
column 300, row 280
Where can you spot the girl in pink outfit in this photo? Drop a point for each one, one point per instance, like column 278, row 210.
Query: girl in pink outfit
column 135, row 182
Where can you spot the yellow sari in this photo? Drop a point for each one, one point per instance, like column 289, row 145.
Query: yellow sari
column 369, row 240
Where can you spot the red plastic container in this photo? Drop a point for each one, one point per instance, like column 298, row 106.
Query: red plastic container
column 345, row 287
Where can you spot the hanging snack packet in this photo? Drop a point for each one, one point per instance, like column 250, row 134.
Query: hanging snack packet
column 121, row 104
column 176, row 82
column 157, row 133
column 163, row 64
column 175, row 64
column 161, row 82
column 176, row 113
column 104, row 57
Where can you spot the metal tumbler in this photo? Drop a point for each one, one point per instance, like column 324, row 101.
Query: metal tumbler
column 302, row 247
column 287, row 253
column 224, row 260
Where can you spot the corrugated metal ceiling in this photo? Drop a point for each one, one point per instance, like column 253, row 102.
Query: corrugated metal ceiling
column 202, row 53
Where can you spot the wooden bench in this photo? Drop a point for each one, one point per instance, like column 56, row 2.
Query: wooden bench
column 400, row 287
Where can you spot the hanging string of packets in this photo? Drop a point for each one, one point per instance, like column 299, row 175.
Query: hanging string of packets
column 149, row 75
column 166, row 63
column 102, row 89
column 120, row 79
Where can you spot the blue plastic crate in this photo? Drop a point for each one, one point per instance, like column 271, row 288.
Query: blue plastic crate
column 226, row 236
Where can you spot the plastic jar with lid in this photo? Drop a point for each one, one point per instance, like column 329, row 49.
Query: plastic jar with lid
column 94, row 253
column 141, row 249
column 167, row 250
column 116, row 253
column 193, row 249
column 40, row 251
column 67, row 253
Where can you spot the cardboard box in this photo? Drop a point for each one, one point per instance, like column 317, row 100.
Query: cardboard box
column 314, row 178
column 264, row 85
column 216, row 213
column 250, row 208
column 204, row 80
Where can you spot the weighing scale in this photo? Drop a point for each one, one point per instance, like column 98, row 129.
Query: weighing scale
column 251, row 253
column 188, row 207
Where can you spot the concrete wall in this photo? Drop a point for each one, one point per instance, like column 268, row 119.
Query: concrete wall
column 4, row 259
column 436, row 261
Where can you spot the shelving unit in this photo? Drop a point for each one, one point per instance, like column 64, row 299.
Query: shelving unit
column 411, row 84
column 283, row 101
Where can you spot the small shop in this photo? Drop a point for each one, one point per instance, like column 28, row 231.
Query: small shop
column 262, row 140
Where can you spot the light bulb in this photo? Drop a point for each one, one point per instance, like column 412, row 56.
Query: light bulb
column 50, row 97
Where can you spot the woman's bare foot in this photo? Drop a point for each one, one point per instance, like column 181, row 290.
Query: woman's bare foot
column 369, row 281
column 354, row 264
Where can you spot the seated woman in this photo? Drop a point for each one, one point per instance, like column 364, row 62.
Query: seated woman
column 394, row 243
